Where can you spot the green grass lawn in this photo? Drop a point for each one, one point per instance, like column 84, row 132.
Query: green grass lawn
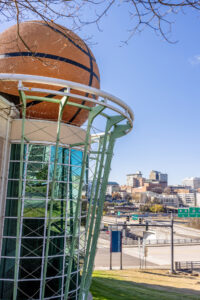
column 112, row 286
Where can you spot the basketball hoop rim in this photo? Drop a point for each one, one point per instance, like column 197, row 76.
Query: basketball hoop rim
column 122, row 108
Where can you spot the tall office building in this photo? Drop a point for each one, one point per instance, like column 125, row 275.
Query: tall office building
column 158, row 176
column 135, row 179
column 193, row 182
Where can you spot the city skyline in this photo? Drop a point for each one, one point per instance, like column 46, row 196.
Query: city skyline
column 147, row 176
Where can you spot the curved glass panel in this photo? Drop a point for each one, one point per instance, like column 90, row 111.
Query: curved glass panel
column 37, row 196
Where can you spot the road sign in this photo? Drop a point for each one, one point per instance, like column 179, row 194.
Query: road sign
column 116, row 241
column 198, row 212
column 192, row 212
column 183, row 213
column 134, row 217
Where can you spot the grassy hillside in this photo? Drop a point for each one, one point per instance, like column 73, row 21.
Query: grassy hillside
column 149, row 285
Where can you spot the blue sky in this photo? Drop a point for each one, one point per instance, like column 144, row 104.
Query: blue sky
column 160, row 82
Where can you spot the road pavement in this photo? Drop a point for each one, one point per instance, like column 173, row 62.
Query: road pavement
column 129, row 259
column 156, row 256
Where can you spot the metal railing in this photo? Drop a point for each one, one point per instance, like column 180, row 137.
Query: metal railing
column 99, row 97
column 130, row 241
column 187, row 265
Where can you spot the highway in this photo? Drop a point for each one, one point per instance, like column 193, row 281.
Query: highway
column 157, row 257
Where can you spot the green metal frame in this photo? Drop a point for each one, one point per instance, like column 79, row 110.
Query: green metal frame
column 20, row 191
column 118, row 131
column 94, row 112
column 92, row 217
column 113, row 130
column 62, row 105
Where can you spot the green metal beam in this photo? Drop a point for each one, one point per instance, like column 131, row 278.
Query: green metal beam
column 93, row 186
column 76, row 145
column 79, row 105
column 20, row 192
column 38, row 98
column 92, row 217
column 118, row 131
column 95, row 152
column 110, row 123
column 62, row 105
column 93, row 113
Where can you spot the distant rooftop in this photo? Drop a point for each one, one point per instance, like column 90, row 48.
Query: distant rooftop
column 158, row 172
column 191, row 178
column 112, row 183
column 136, row 173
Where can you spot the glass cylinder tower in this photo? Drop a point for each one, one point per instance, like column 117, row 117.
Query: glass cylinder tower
column 54, row 177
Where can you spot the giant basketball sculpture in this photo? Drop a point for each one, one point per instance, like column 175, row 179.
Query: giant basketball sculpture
column 47, row 49
column 51, row 196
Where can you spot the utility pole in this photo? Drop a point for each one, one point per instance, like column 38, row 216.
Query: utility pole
column 139, row 249
column 195, row 198
column 111, row 247
column 172, row 243
column 121, row 250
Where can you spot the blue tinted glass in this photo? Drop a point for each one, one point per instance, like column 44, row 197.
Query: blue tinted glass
column 63, row 155
column 76, row 157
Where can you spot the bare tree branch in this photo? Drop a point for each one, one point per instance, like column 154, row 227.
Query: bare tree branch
column 154, row 14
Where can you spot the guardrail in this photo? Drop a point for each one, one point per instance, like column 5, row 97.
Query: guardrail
column 187, row 265
column 130, row 241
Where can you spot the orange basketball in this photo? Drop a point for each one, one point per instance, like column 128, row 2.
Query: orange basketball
column 50, row 50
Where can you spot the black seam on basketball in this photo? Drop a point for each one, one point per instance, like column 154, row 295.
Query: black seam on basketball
column 86, row 95
column 55, row 57
column 69, row 39
column 50, row 56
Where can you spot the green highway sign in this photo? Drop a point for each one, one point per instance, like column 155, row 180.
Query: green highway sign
column 134, row 217
column 192, row 212
column 198, row 212
column 183, row 213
